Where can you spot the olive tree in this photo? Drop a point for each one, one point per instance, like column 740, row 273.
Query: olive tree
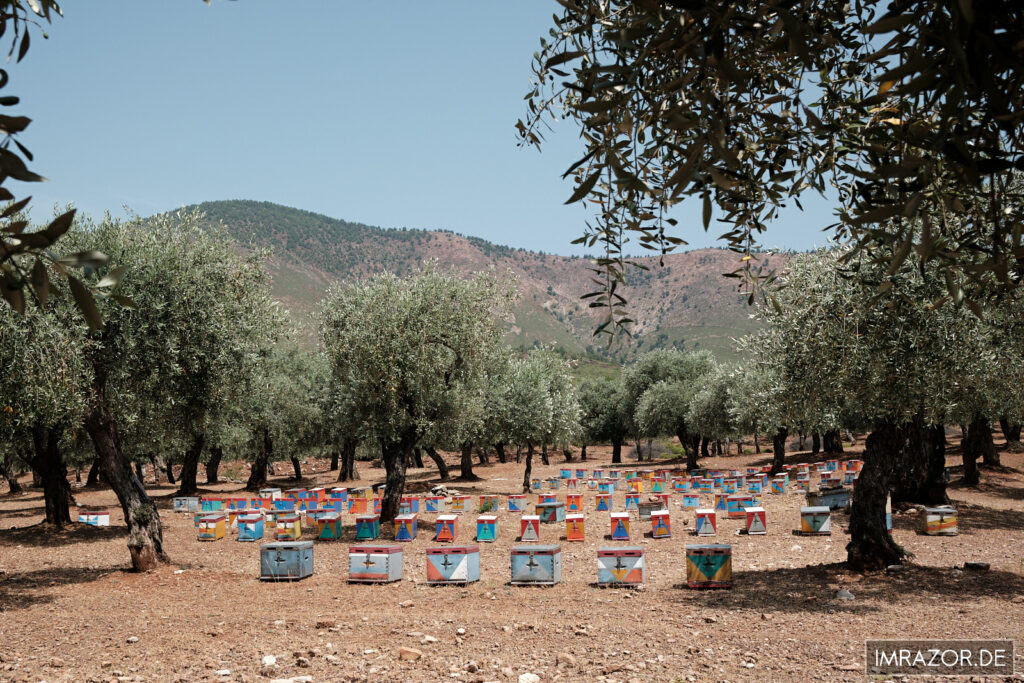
column 603, row 416
column 409, row 351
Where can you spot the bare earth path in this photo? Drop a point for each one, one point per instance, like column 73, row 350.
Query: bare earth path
column 69, row 609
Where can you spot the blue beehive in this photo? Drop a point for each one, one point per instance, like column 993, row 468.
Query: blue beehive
column 565, row 474
column 367, row 527
column 286, row 560
column 374, row 563
column 454, row 564
column 581, row 474
column 606, row 487
column 250, row 527
column 517, row 502
column 211, row 504
column 409, row 505
column 186, row 504
column 836, row 498
column 551, row 513
column 536, row 484
column 434, row 504
column 691, row 500
column 536, row 565
column 554, row 483
column 406, row 527
column 487, row 528
column 680, row 485
column 729, row 486
column 604, row 502
column 754, row 486
column 338, row 493
column 284, row 504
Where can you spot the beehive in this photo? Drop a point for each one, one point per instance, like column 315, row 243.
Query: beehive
column 536, row 484
column 446, row 528
column 756, row 520
column 600, row 474
column 489, row 503
column 211, row 504
column 517, row 502
column 815, row 520
column 665, row 498
column 620, row 526
column 211, row 527
column 581, row 474
column 377, row 503
column 286, row 561
column 564, row 473
column 572, row 484
column 779, row 483
column 270, row 518
column 850, row 478
column 356, row 505
column 940, row 521
column 360, row 492
column 755, row 486
column 455, row 564
column 318, row 493
column 592, row 484
column 551, row 513
column 328, row 526
column 606, row 487
column 722, row 502
column 536, row 565
column 621, row 566
column 574, row 502
column 707, row 485
column 831, row 465
column 709, row 566
column 367, row 527
column 545, row 498
column 313, row 517
column 288, row 528
column 554, row 483
column 737, row 503
column 250, row 527
column 434, row 503
column 460, row 504
column 707, row 522
column 834, row 498
column 614, row 474
column 603, row 502
column 635, row 485
column 487, row 528
column 657, row 485
column 529, row 528
column 406, row 527
column 186, row 504
column 661, row 524
column 645, row 508
column 374, row 563
column 680, row 485
column 296, row 494
column 574, row 527
column 717, row 481
column 410, row 505
column 632, row 501
column 94, row 517
column 270, row 493
column 338, row 494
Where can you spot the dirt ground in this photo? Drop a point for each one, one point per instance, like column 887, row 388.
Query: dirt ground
column 70, row 611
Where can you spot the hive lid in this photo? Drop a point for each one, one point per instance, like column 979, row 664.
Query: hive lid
column 287, row 545
column 536, row 549
column 374, row 549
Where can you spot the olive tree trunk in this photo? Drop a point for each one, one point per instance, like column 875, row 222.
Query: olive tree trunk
column 187, row 484
column 528, row 472
column 213, row 465
column 617, row 452
column 296, row 468
column 442, row 468
column 544, row 454
column 499, row 448
column 8, row 473
column 347, row 470
column 779, row 450
column 583, row 453
column 335, row 457
column 48, row 463
column 394, row 455
column 258, row 472
column 920, row 476
column 815, row 443
column 93, row 478
column 833, row 441
column 466, row 463
column 977, row 443
column 1011, row 430
column 871, row 545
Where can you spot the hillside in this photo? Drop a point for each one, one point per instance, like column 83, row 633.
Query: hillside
column 685, row 300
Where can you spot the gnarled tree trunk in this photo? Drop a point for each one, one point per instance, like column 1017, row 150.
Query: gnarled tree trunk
column 157, row 462
column 833, row 441
column 347, row 470
column 170, row 473
column 258, row 471
column 187, row 485
column 616, row 452
column 704, row 447
column 583, row 453
column 213, row 465
column 920, row 475
column 977, row 443
column 1011, row 430
column 567, row 454
column 779, row 450
column 466, row 463
column 335, row 457
column 297, row 468
column 8, row 473
column 442, row 467
column 544, row 454
column 815, row 443
column 47, row 462
column 394, row 454
column 757, row 444
column 528, row 472
column 871, row 545
column 417, row 457
column 499, row 448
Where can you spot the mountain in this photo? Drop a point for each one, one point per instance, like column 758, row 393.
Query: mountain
column 686, row 300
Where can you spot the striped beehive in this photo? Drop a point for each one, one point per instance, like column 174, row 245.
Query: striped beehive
column 458, row 564
column 691, row 500
column 406, row 527
column 536, row 484
column 446, row 528
column 374, row 563
column 545, row 498
column 211, row 527
column 680, row 484
column 756, row 520
column 661, row 525
column 620, row 526
column 707, row 485
column 709, row 566
column 460, row 504
column 707, row 522
column 554, row 483
column 574, row 527
column 487, row 528
column 815, row 520
column 211, row 504
column 737, row 503
column 529, row 528
column 517, row 502
column 367, row 527
column 940, row 521
column 288, row 528
column 621, row 566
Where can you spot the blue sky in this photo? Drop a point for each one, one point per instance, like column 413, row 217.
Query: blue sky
column 387, row 113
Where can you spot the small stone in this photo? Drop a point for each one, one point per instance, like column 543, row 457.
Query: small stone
column 460, row 631
column 796, row 548
column 472, row 667
column 302, row 661
column 222, row 672
column 414, row 634
column 132, row 639
column 56, row 662
column 426, row 640
column 406, row 603
column 529, row 678
column 369, row 652
column 333, row 659
column 324, row 624
column 409, row 654
column 844, row 594
column 507, row 672
column 269, row 660
column 565, row 659
column 279, row 623
column 710, row 620
column 895, row 568
column 976, row 566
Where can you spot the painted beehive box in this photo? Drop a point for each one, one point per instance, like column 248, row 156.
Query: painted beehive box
column 565, row 474
column 296, row 494
column 614, row 474
column 409, row 505
column 717, row 481
column 270, row 518
column 554, row 483
column 644, row 509
column 551, row 513
column 363, row 492
column 707, row 485
column 606, row 487
column 212, row 527
column 318, row 493
column 306, row 504
column 286, row 560
column 621, row 566
column 572, row 484
column 574, row 527
column 367, row 527
column 460, row 504
column 680, row 485
column 737, row 503
column 600, row 474
column 517, row 502
column 406, row 527
column 574, row 502
column 831, row 465
column 709, row 566
column 707, row 522
column 581, row 474
column 722, row 501
column 313, row 517
column 286, row 504
column 592, row 484
column 756, row 520
column 487, row 528
column 545, row 498
column 490, row 503
column 661, row 525
column 434, row 503
column 288, row 528
column 850, row 478
column 453, row 564
column 260, row 503
column 536, row 484
column 374, row 563
column 636, row 485
column 620, row 526
column 529, row 528
column 657, row 485
column 779, row 484
column 691, row 500
column 250, row 527
column 186, row 504
column 377, row 503
column 729, row 485
column 940, row 521
column 536, row 565
column 328, row 526
column 232, row 517
column 815, row 520
column 665, row 498
column 211, row 504
column 632, row 501
column 446, row 528
column 270, row 493
column 834, row 498
column 94, row 517
column 603, row 502
column 755, row 486
column 338, row 493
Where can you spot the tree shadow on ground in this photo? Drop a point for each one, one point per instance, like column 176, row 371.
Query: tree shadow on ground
column 813, row 589
column 971, row 517
column 43, row 535
column 26, row 589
